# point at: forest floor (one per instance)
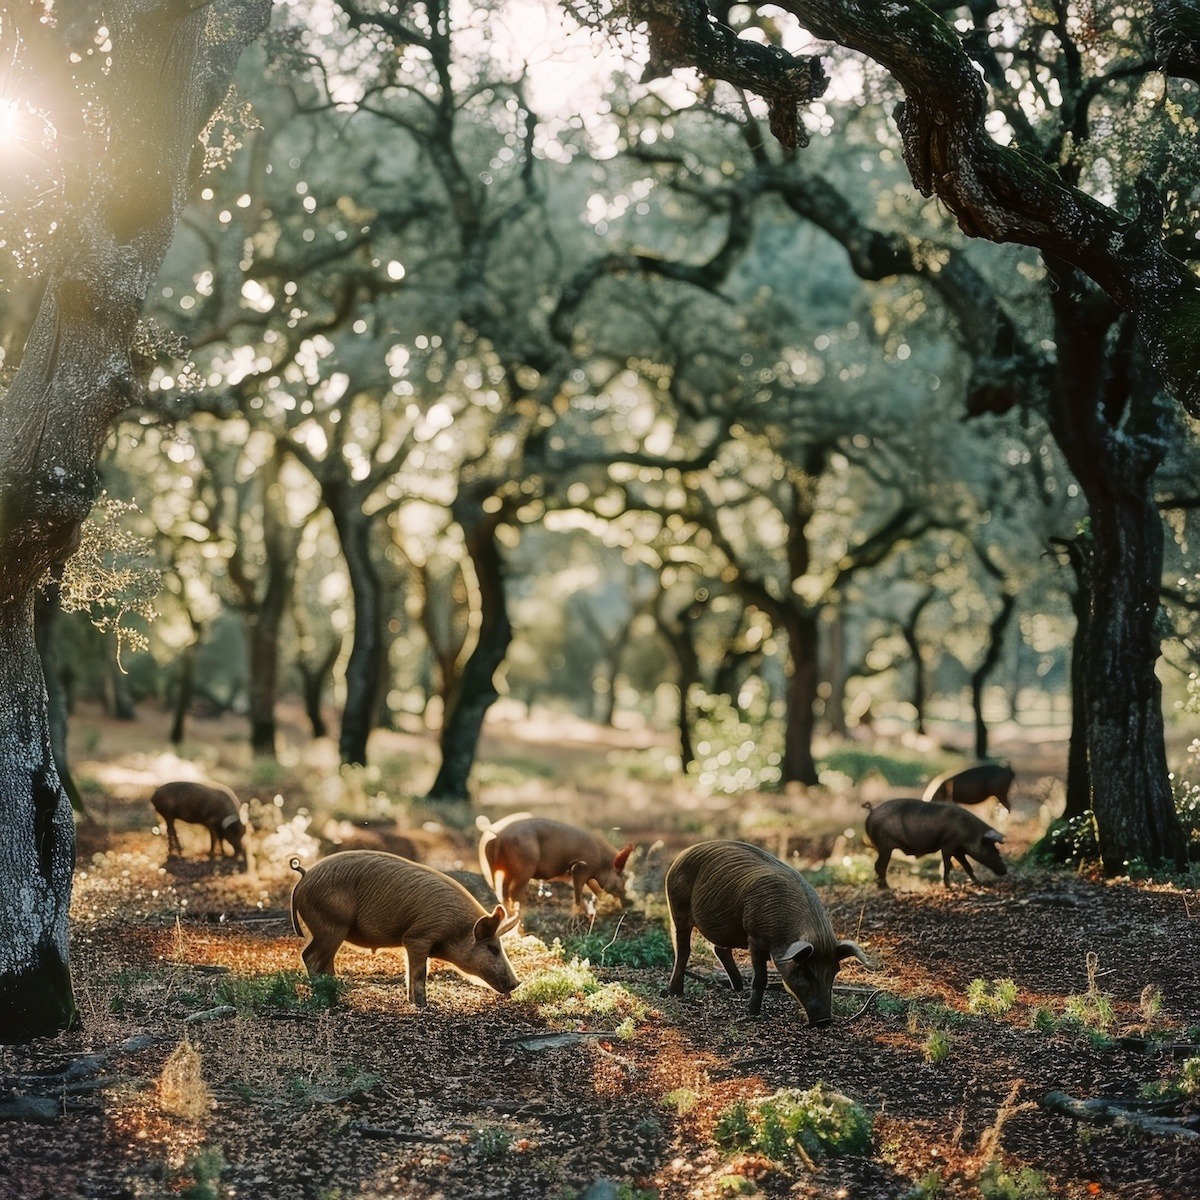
(205, 1066)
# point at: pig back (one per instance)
(199, 803)
(555, 846)
(382, 899)
(732, 890)
(922, 826)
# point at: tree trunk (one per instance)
(127, 175)
(264, 613)
(837, 672)
(803, 680)
(464, 719)
(364, 668)
(908, 630)
(1079, 777)
(187, 690)
(37, 851)
(676, 631)
(982, 673)
(1113, 433)
(313, 680)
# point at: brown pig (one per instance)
(974, 785)
(374, 899)
(920, 827)
(209, 804)
(739, 896)
(522, 847)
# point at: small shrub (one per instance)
(282, 991)
(929, 1187)
(651, 948)
(560, 982)
(180, 1090)
(1176, 1086)
(626, 1030)
(996, 1183)
(682, 1100)
(203, 1169)
(937, 1046)
(991, 999)
(795, 1124)
(489, 1143)
(1044, 1020)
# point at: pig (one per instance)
(974, 785)
(920, 827)
(522, 847)
(738, 895)
(209, 804)
(375, 899)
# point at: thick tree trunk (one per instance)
(464, 719)
(313, 679)
(983, 672)
(803, 680)
(127, 175)
(837, 673)
(365, 665)
(1112, 430)
(37, 851)
(1079, 776)
(186, 691)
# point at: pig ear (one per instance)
(796, 952)
(507, 924)
(993, 835)
(622, 858)
(232, 819)
(847, 949)
(487, 925)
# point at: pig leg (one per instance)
(318, 955)
(683, 950)
(966, 866)
(947, 860)
(418, 966)
(881, 865)
(759, 954)
(214, 843)
(731, 968)
(173, 846)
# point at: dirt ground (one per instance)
(177, 1084)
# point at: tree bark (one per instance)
(983, 672)
(364, 667)
(1113, 431)
(463, 723)
(800, 626)
(126, 179)
(47, 608)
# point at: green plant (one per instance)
(650, 948)
(1177, 1085)
(200, 1176)
(929, 1186)
(737, 1185)
(281, 991)
(897, 768)
(937, 1046)
(682, 1100)
(560, 982)
(626, 1030)
(997, 1183)
(793, 1123)
(489, 1143)
(991, 999)
(627, 1191)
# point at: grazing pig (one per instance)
(922, 826)
(740, 896)
(209, 804)
(974, 785)
(374, 899)
(522, 847)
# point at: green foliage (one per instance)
(991, 999)
(929, 1187)
(997, 1183)
(682, 1100)
(898, 768)
(282, 991)
(112, 575)
(564, 981)
(1177, 1085)
(650, 948)
(200, 1177)
(489, 1143)
(937, 1046)
(859, 869)
(792, 1123)
(1074, 841)
(732, 751)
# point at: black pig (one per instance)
(920, 827)
(974, 785)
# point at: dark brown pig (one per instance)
(920, 827)
(209, 804)
(521, 847)
(739, 896)
(974, 785)
(374, 899)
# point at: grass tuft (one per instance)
(809, 1124)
